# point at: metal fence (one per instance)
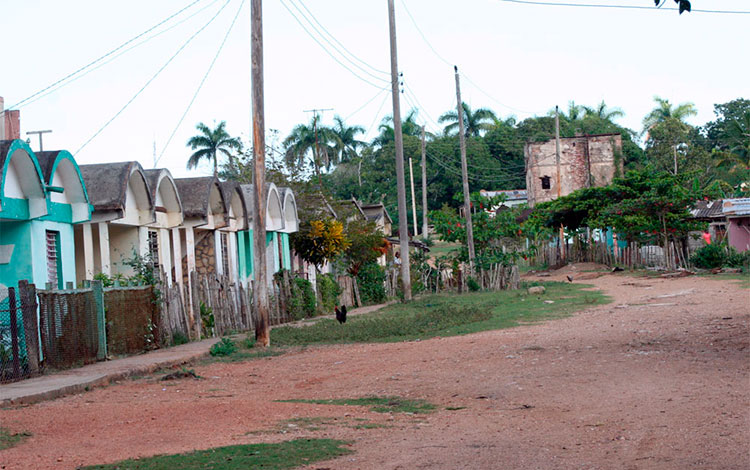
(14, 361)
(132, 320)
(69, 328)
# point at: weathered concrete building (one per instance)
(585, 161)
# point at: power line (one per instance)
(15, 106)
(88, 71)
(184, 45)
(388, 74)
(622, 7)
(377, 114)
(366, 103)
(205, 76)
(283, 3)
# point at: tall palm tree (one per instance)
(312, 141)
(665, 110)
(604, 112)
(345, 141)
(209, 142)
(475, 122)
(409, 126)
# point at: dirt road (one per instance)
(658, 379)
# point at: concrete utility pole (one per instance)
(403, 216)
(465, 174)
(425, 233)
(413, 201)
(559, 179)
(260, 286)
(41, 149)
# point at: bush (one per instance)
(179, 338)
(302, 301)
(225, 347)
(329, 291)
(738, 260)
(472, 284)
(371, 283)
(709, 256)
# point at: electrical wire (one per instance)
(622, 7)
(388, 74)
(88, 71)
(81, 69)
(366, 103)
(205, 76)
(283, 3)
(158, 72)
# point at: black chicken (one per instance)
(340, 313)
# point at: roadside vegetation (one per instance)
(446, 315)
(376, 404)
(280, 456)
(10, 439)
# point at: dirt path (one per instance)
(657, 379)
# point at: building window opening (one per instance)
(545, 182)
(153, 249)
(54, 263)
(225, 254)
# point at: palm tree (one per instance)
(474, 121)
(209, 142)
(409, 126)
(310, 139)
(345, 142)
(665, 110)
(602, 111)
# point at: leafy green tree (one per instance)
(209, 143)
(366, 244)
(310, 141)
(475, 121)
(387, 135)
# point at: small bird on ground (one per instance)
(570, 278)
(340, 313)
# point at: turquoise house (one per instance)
(42, 196)
(281, 220)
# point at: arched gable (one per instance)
(139, 209)
(274, 211)
(166, 197)
(22, 188)
(289, 206)
(64, 173)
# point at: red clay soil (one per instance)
(658, 379)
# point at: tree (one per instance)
(366, 244)
(310, 141)
(345, 141)
(665, 110)
(320, 241)
(209, 142)
(475, 121)
(409, 126)
(604, 112)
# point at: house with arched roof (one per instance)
(165, 239)
(42, 196)
(123, 210)
(278, 226)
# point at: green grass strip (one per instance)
(377, 404)
(284, 455)
(446, 315)
(9, 439)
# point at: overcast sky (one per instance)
(515, 59)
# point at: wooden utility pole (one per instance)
(425, 233)
(413, 201)
(260, 284)
(403, 216)
(465, 174)
(559, 179)
(41, 149)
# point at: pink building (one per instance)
(737, 212)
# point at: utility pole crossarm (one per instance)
(41, 148)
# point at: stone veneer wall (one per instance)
(205, 255)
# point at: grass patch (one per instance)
(446, 315)
(743, 278)
(10, 439)
(284, 455)
(455, 408)
(377, 404)
(240, 350)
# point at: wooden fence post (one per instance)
(30, 326)
(101, 321)
(14, 331)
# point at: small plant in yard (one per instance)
(179, 338)
(9, 439)
(473, 285)
(207, 320)
(225, 347)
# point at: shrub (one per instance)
(302, 301)
(225, 347)
(371, 283)
(179, 338)
(738, 260)
(709, 256)
(472, 284)
(329, 292)
(207, 319)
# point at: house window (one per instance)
(720, 233)
(225, 254)
(153, 248)
(54, 263)
(545, 182)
